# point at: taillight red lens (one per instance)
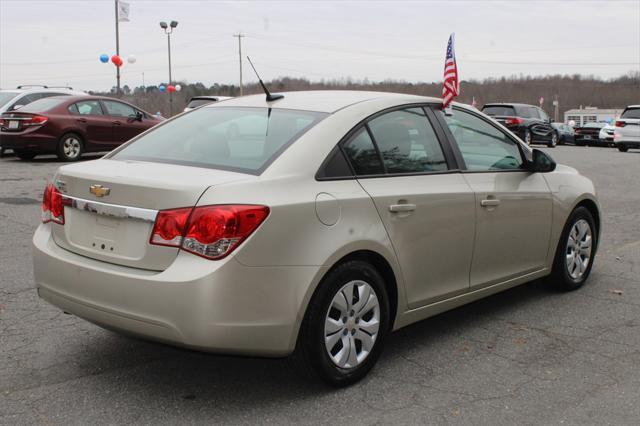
(620, 123)
(52, 205)
(514, 121)
(36, 120)
(208, 231)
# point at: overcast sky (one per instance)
(59, 42)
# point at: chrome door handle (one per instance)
(491, 202)
(402, 207)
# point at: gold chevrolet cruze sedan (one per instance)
(310, 226)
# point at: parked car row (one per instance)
(67, 123)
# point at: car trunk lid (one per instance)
(111, 205)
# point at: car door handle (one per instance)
(117, 123)
(490, 202)
(81, 120)
(395, 208)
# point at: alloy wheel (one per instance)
(579, 247)
(352, 324)
(71, 147)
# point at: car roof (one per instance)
(42, 89)
(328, 101)
(213, 97)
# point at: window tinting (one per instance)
(528, 112)
(500, 110)
(194, 103)
(407, 142)
(335, 166)
(483, 146)
(362, 154)
(89, 108)
(119, 109)
(631, 113)
(42, 105)
(239, 139)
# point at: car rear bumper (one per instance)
(218, 306)
(33, 142)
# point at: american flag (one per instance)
(450, 87)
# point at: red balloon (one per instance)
(171, 88)
(117, 60)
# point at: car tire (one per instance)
(528, 139)
(70, 147)
(576, 251)
(554, 140)
(622, 148)
(24, 154)
(333, 325)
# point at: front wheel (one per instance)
(70, 147)
(576, 250)
(347, 320)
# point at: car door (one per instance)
(96, 126)
(123, 119)
(425, 205)
(513, 206)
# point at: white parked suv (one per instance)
(627, 133)
(14, 99)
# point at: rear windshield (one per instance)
(5, 97)
(631, 113)
(42, 105)
(597, 125)
(499, 110)
(195, 103)
(237, 139)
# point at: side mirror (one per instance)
(541, 162)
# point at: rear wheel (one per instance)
(70, 147)
(24, 154)
(576, 250)
(347, 320)
(554, 140)
(622, 148)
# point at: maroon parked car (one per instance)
(71, 125)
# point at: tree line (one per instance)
(571, 91)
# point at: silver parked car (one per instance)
(319, 224)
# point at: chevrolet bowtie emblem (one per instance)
(99, 190)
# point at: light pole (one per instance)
(168, 29)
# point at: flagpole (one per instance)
(117, 50)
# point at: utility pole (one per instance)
(240, 35)
(556, 109)
(117, 49)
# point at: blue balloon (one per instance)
(104, 58)
(162, 88)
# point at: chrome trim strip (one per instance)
(112, 210)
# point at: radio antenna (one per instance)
(270, 97)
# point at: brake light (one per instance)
(208, 231)
(513, 121)
(36, 120)
(52, 205)
(620, 123)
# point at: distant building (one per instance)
(586, 115)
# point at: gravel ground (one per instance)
(526, 356)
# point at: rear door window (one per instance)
(87, 108)
(407, 142)
(528, 112)
(362, 154)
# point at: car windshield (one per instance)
(631, 113)
(596, 125)
(195, 103)
(5, 97)
(42, 105)
(238, 139)
(505, 110)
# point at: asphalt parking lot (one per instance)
(530, 355)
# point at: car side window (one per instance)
(407, 142)
(362, 154)
(543, 115)
(87, 108)
(483, 146)
(119, 109)
(25, 100)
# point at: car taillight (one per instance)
(513, 121)
(620, 123)
(35, 120)
(208, 231)
(52, 205)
